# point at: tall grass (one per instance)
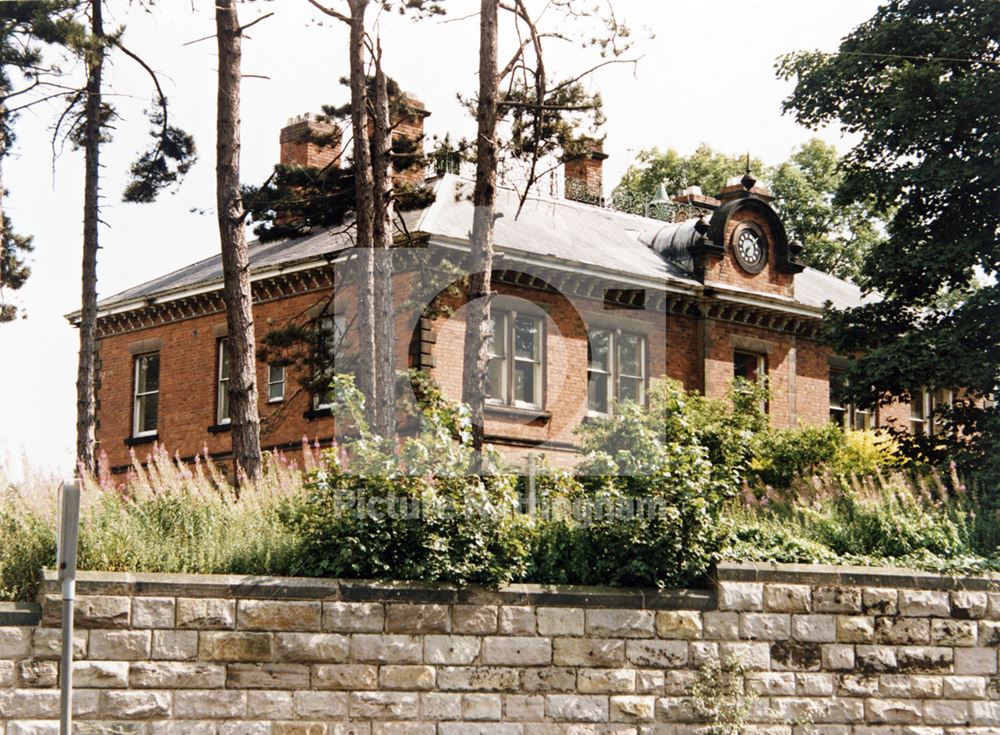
(165, 517)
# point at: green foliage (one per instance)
(835, 237)
(29, 543)
(781, 455)
(720, 696)
(171, 155)
(918, 85)
(378, 510)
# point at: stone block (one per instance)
(655, 681)
(15, 642)
(120, 645)
(771, 683)
(174, 645)
(176, 675)
(194, 727)
(606, 681)
(679, 624)
(894, 686)
(244, 727)
(523, 708)
(477, 678)
(923, 686)
(985, 714)
(46, 643)
(577, 707)
(836, 657)
(482, 707)
(946, 632)
(879, 601)
(417, 619)
(6, 674)
(516, 620)
(754, 656)
(657, 654)
(319, 705)
(387, 649)
(925, 659)
(153, 612)
(438, 706)
(345, 676)
(560, 621)
(483, 728)
(924, 603)
(894, 711)
(989, 633)
(353, 617)
(855, 629)
(206, 614)
(407, 677)
(875, 659)
(975, 660)
(209, 705)
(270, 705)
(721, 626)
(384, 706)
(100, 611)
(836, 599)
(32, 673)
(474, 619)
(787, 598)
(741, 596)
(299, 728)
(134, 705)
(619, 623)
(267, 676)
(100, 674)
(235, 647)
(814, 685)
(897, 631)
(969, 605)
(814, 628)
(30, 704)
(278, 615)
(795, 656)
(548, 679)
(964, 687)
(859, 685)
(765, 626)
(516, 651)
(311, 647)
(632, 708)
(451, 649)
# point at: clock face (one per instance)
(750, 248)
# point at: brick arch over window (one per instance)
(786, 253)
(452, 297)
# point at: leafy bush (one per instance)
(780, 455)
(378, 510)
(28, 544)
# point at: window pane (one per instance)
(275, 382)
(917, 405)
(599, 350)
(494, 370)
(148, 408)
(224, 360)
(223, 401)
(597, 392)
(630, 389)
(526, 337)
(524, 382)
(148, 379)
(837, 415)
(745, 366)
(630, 355)
(497, 343)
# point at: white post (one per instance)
(69, 524)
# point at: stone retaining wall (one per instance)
(825, 651)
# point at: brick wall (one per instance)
(826, 651)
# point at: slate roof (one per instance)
(567, 231)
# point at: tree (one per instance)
(85, 122)
(543, 120)
(236, 292)
(835, 237)
(919, 84)
(706, 168)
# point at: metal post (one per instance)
(69, 523)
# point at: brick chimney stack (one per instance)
(306, 141)
(584, 174)
(411, 127)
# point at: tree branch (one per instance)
(330, 11)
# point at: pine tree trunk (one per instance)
(364, 188)
(86, 403)
(385, 333)
(478, 328)
(245, 420)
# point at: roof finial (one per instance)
(748, 179)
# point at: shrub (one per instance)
(379, 510)
(780, 455)
(28, 544)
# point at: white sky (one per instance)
(707, 76)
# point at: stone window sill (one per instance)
(219, 428)
(515, 412)
(134, 441)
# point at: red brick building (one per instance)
(592, 305)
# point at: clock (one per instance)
(749, 247)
